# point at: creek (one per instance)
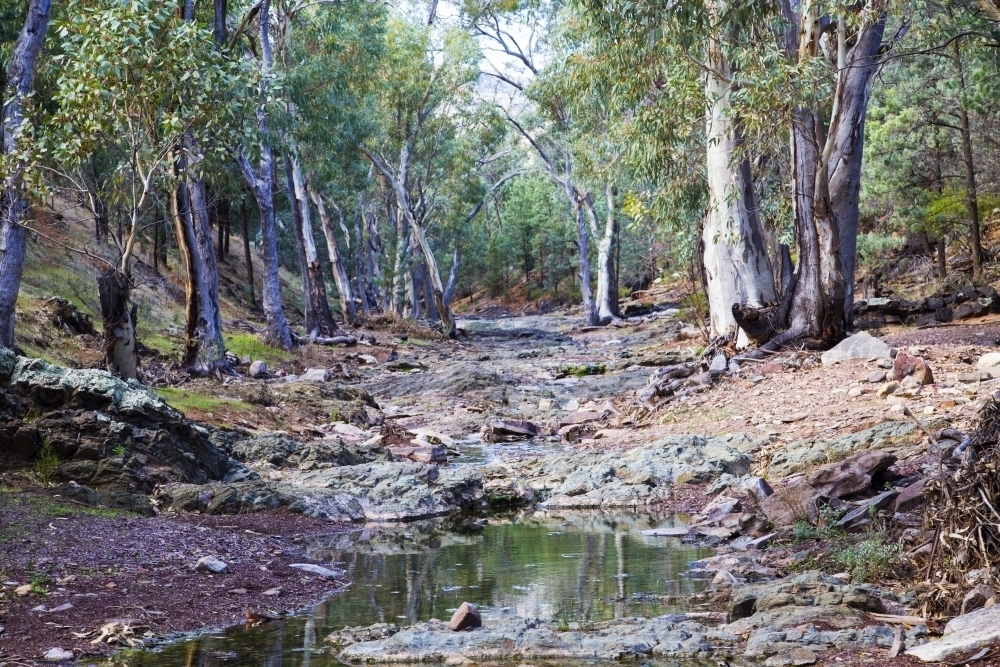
(568, 567)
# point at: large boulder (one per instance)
(962, 635)
(112, 434)
(285, 451)
(859, 346)
(802, 498)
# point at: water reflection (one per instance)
(560, 566)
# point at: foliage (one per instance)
(874, 247)
(46, 462)
(870, 559)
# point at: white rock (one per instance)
(859, 346)
(315, 375)
(962, 635)
(258, 369)
(57, 655)
(211, 564)
(572, 405)
(988, 360)
(318, 570)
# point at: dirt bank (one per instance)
(98, 565)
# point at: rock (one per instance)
(859, 346)
(963, 635)
(285, 451)
(905, 366)
(315, 375)
(876, 376)
(911, 497)
(63, 607)
(22, 590)
(795, 656)
(671, 531)
(854, 392)
(318, 570)
(585, 417)
(988, 360)
(499, 430)
(546, 404)
(719, 363)
(887, 389)
(57, 655)
(976, 308)
(800, 499)
(771, 367)
(211, 564)
(465, 617)
(969, 378)
(572, 405)
(508, 638)
(976, 598)
(420, 453)
(258, 370)
(859, 517)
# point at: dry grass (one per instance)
(394, 324)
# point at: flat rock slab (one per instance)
(505, 638)
(859, 346)
(678, 531)
(962, 635)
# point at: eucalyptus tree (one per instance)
(332, 87)
(19, 76)
(807, 68)
(134, 81)
(429, 80)
(260, 179)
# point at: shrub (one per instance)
(870, 559)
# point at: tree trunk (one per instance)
(969, 167)
(373, 250)
(360, 285)
(737, 268)
(205, 349)
(456, 263)
(607, 297)
(347, 306)
(583, 249)
(246, 254)
(13, 238)
(308, 311)
(317, 298)
(942, 260)
(261, 184)
(826, 166)
(399, 271)
(121, 350)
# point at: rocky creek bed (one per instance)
(273, 500)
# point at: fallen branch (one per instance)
(349, 341)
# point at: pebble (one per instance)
(876, 376)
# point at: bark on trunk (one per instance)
(826, 166)
(347, 306)
(583, 249)
(360, 285)
(396, 296)
(246, 254)
(318, 302)
(121, 351)
(737, 268)
(607, 297)
(205, 349)
(261, 184)
(20, 76)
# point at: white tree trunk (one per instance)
(343, 283)
(607, 299)
(737, 267)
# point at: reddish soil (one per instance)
(116, 566)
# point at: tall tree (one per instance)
(20, 75)
(261, 182)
